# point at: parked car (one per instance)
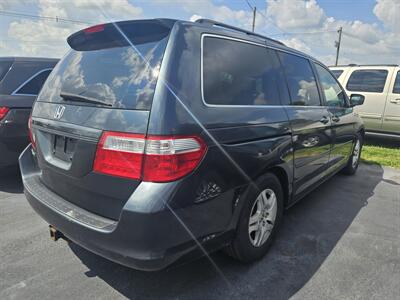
(380, 85)
(156, 140)
(21, 78)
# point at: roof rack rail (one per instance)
(223, 25)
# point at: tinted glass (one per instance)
(334, 94)
(337, 73)
(301, 80)
(33, 86)
(117, 76)
(396, 88)
(237, 73)
(4, 67)
(372, 81)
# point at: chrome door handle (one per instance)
(324, 120)
(395, 101)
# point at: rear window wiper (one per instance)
(80, 98)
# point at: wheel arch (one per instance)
(283, 178)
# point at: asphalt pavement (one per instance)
(340, 242)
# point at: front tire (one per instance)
(259, 220)
(354, 159)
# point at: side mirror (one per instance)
(356, 99)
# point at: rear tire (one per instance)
(259, 220)
(354, 159)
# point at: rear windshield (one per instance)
(104, 67)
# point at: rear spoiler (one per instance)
(103, 36)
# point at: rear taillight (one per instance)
(170, 158)
(3, 112)
(31, 134)
(152, 158)
(120, 154)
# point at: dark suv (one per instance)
(21, 79)
(156, 140)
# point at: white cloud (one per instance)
(6, 4)
(361, 43)
(195, 17)
(222, 13)
(388, 11)
(40, 37)
(3, 46)
(48, 38)
(297, 44)
(120, 9)
(289, 14)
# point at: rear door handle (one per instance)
(324, 120)
(395, 101)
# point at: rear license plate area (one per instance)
(63, 147)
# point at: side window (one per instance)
(334, 94)
(301, 80)
(33, 86)
(372, 81)
(238, 73)
(337, 73)
(396, 88)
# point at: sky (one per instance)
(371, 28)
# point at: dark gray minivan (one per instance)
(21, 79)
(155, 141)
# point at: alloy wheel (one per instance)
(356, 153)
(262, 217)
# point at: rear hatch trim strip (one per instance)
(67, 209)
(91, 134)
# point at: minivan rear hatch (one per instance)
(106, 82)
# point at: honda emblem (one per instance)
(59, 112)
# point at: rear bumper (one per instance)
(142, 240)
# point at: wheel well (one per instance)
(283, 178)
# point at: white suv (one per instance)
(380, 84)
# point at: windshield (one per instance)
(108, 71)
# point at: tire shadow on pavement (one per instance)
(310, 231)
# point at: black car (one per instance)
(154, 141)
(21, 79)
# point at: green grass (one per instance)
(382, 153)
